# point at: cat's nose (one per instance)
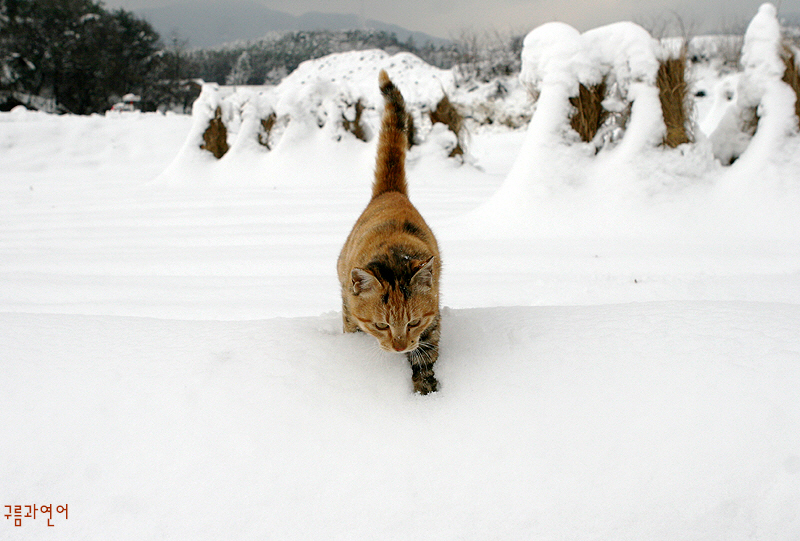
(398, 347)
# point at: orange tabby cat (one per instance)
(389, 266)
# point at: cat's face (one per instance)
(395, 314)
(398, 325)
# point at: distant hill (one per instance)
(223, 22)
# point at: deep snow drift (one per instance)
(640, 421)
(173, 365)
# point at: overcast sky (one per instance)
(446, 18)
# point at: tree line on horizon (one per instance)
(78, 57)
(82, 58)
(268, 60)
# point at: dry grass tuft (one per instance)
(215, 138)
(589, 113)
(447, 114)
(355, 126)
(675, 101)
(267, 124)
(792, 78)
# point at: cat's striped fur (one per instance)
(389, 266)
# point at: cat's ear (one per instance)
(423, 277)
(363, 281)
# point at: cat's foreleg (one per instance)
(423, 358)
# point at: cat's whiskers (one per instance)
(422, 354)
(374, 352)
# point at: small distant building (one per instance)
(130, 102)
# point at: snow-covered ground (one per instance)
(620, 349)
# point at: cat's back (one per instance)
(390, 220)
(390, 223)
(390, 208)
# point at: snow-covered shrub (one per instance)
(626, 56)
(596, 85)
(208, 113)
(215, 138)
(791, 75)
(447, 114)
(553, 61)
(763, 113)
(266, 130)
(590, 115)
(675, 99)
(356, 126)
(504, 102)
(249, 116)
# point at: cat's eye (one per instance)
(413, 323)
(381, 326)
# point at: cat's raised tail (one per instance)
(390, 169)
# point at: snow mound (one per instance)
(356, 73)
(763, 115)
(630, 185)
(277, 128)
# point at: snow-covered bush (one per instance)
(763, 112)
(791, 76)
(339, 95)
(215, 138)
(605, 78)
(676, 105)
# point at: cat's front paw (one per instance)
(425, 383)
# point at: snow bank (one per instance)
(661, 420)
